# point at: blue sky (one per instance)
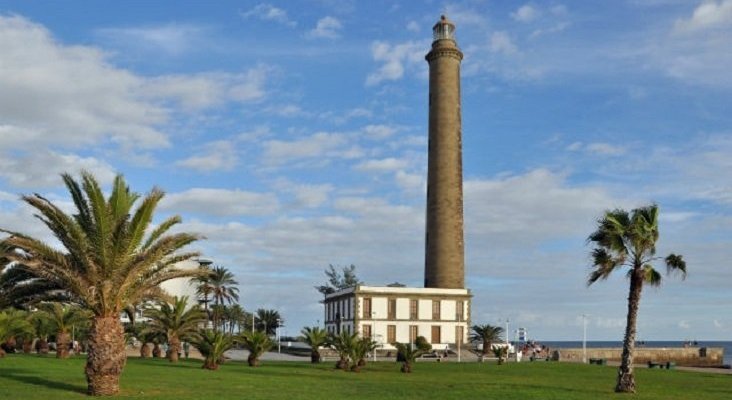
(293, 135)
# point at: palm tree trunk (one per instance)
(145, 350)
(42, 346)
(106, 357)
(27, 346)
(626, 381)
(173, 349)
(63, 340)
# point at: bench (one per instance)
(598, 361)
(662, 365)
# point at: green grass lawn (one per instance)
(33, 377)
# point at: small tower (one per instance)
(444, 248)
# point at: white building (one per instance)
(400, 314)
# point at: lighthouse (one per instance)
(439, 311)
(444, 247)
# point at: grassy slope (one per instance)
(32, 377)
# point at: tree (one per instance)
(204, 289)
(235, 317)
(361, 348)
(20, 288)
(268, 321)
(486, 334)
(12, 323)
(175, 323)
(257, 343)
(338, 280)
(628, 240)
(61, 320)
(212, 345)
(408, 352)
(111, 257)
(316, 338)
(343, 344)
(223, 291)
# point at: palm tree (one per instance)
(223, 290)
(235, 317)
(268, 321)
(316, 338)
(486, 334)
(175, 323)
(361, 348)
(111, 258)
(212, 345)
(42, 329)
(61, 320)
(13, 323)
(20, 288)
(204, 289)
(408, 352)
(257, 343)
(629, 240)
(343, 344)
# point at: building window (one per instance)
(391, 333)
(436, 335)
(459, 335)
(366, 331)
(436, 310)
(413, 333)
(366, 308)
(459, 307)
(413, 309)
(392, 309)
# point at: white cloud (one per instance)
(413, 26)
(173, 39)
(379, 131)
(717, 324)
(381, 166)
(321, 145)
(396, 59)
(501, 43)
(598, 148)
(709, 14)
(200, 91)
(70, 95)
(221, 202)
(327, 27)
(215, 156)
(306, 195)
(268, 12)
(684, 324)
(43, 168)
(525, 13)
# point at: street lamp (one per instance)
(277, 333)
(584, 338)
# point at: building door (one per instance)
(413, 333)
(436, 334)
(366, 331)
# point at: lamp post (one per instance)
(277, 333)
(584, 338)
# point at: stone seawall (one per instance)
(686, 356)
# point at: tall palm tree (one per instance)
(176, 323)
(487, 335)
(628, 240)
(316, 338)
(20, 288)
(111, 257)
(61, 320)
(223, 290)
(257, 343)
(268, 321)
(235, 317)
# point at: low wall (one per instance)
(686, 356)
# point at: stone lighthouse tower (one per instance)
(444, 249)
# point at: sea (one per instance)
(727, 345)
